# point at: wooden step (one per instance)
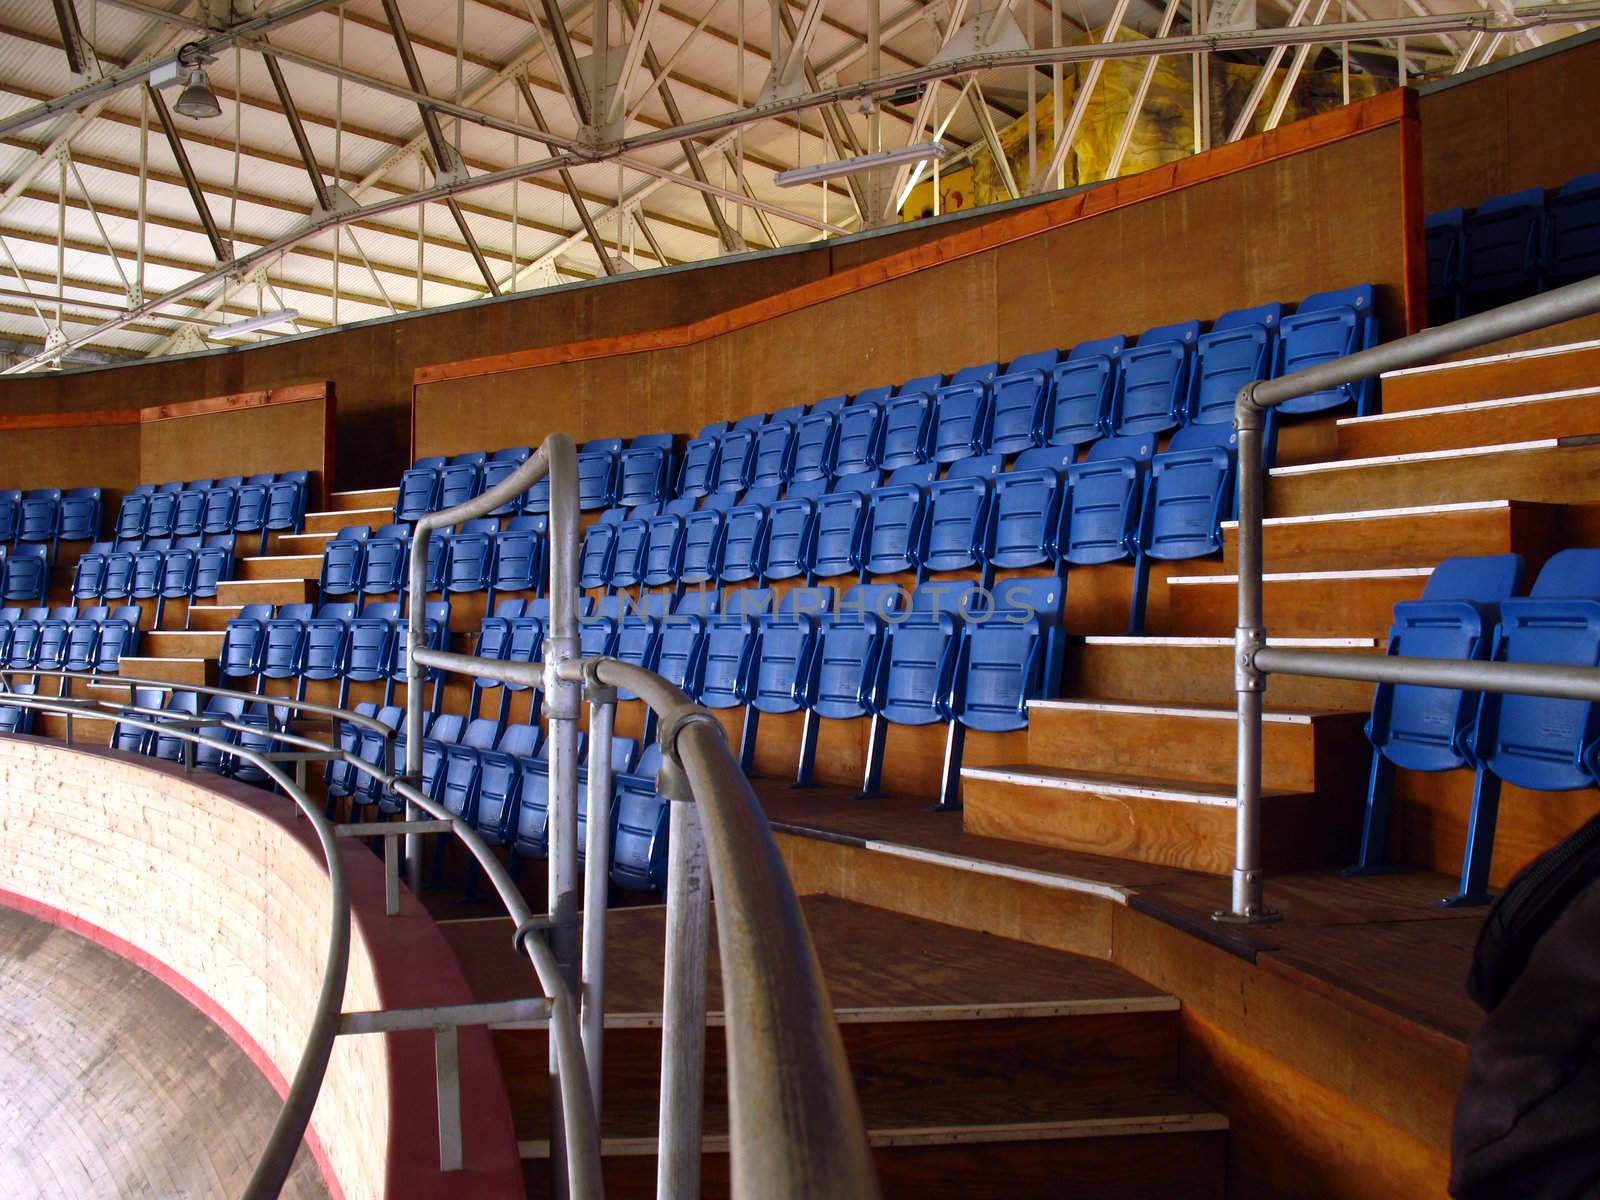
(367, 498)
(1493, 376)
(181, 643)
(332, 522)
(1195, 741)
(1398, 537)
(301, 543)
(1551, 470)
(280, 566)
(1199, 670)
(1297, 604)
(84, 733)
(212, 618)
(1568, 413)
(266, 591)
(201, 671)
(1175, 823)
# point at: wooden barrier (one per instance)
(1165, 245)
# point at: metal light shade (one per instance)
(198, 100)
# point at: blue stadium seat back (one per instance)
(1018, 401)
(1532, 741)
(746, 604)
(829, 404)
(213, 562)
(610, 445)
(494, 631)
(643, 473)
(698, 602)
(118, 581)
(651, 441)
(816, 445)
(221, 508)
(530, 827)
(638, 643)
(1239, 347)
(322, 652)
(807, 489)
(751, 422)
(1428, 729)
(23, 651)
(803, 602)
(596, 637)
(664, 537)
(130, 516)
(955, 531)
(83, 637)
(712, 429)
(895, 516)
(774, 454)
(718, 502)
(463, 767)
(837, 537)
(907, 430)
(79, 519)
(1025, 507)
(132, 739)
(1572, 231)
(597, 480)
(342, 561)
(1100, 523)
(340, 776)
(470, 565)
(536, 500)
(869, 396)
(1082, 386)
(847, 663)
(1152, 395)
(782, 664)
(1324, 327)
(177, 568)
(791, 526)
(258, 739)
(166, 746)
(1009, 654)
(369, 645)
(594, 560)
(697, 474)
(40, 514)
(525, 645)
(726, 673)
(680, 650)
(286, 501)
(1443, 237)
(736, 456)
(640, 829)
(744, 543)
(282, 640)
(27, 572)
(161, 515)
(149, 566)
(89, 573)
(501, 465)
(240, 655)
(190, 516)
(1191, 491)
(387, 559)
(916, 679)
(629, 561)
(458, 483)
(250, 504)
(858, 440)
(519, 555)
(500, 780)
(702, 546)
(53, 633)
(16, 718)
(419, 489)
(445, 732)
(1504, 247)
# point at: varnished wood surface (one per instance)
(1362, 606)
(1162, 674)
(1557, 416)
(1484, 374)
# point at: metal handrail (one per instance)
(796, 1128)
(288, 1130)
(1254, 659)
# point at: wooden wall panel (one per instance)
(287, 437)
(1163, 246)
(104, 456)
(1522, 126)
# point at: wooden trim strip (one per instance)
(238, 402)
(1389, 108)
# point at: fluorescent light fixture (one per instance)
(917, 152)
(251, 324)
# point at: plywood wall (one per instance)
(1527, 125)
(1269, 218)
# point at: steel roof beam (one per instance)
(219, 245)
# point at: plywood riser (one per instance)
(1297, 831)
(1496, 380)
(1161, 674)
(274, 592)
(1422, 539)
(1561, 417)
(279, 566)
(331, 522)
(1559, 475)
(372, 498)
(1293, 608)
(1112, 1168)
(907, 1070)
(1201, 750)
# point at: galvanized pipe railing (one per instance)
(1254, 660)
(288, 1130)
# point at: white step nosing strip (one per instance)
(946, 1135)
(1419, 456)
(1304, 576)
(159, 658)
(362, 491)
(1508, 356)
(1382, 514)
(242, 582)
(1299, 643)
(1073, 783)
(1408, 414)
(1002, 1010)
(341, 512)
(1155, 710)
(1049, 879)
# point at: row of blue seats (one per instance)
(950, 653)
(1470, 610)
(1122, 503)
(1170, 376)
(333, 642)
(25, 571)
(1512, 246)
(262, 723)
(497, 778)
(234, 504)
(50, 516)
(93, 638)
(162, 569)
(478, 556)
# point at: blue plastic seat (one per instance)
(907, 432)
(341, 777)
(38, 518)
(665, 534)
(133, 739)
(895, 516)
(1025, 508)
(282, 643)
(1009, 655)
(252, 503)
(190, 515)
(372, 748)
(858, 437)
(83, 637)
(594, 559)
(463, 768)
(27, 572)
(500, 781)
(961, 414)
(519, 555)
(816, 440)
(368, 649)
(847, 665)
(419, 489)
(639, 832)
(1504, 240)
(166, 746)
(286, 503)
(628, 562)
(118, 581)
(242, 646)
(1326, 326)
(1101, 512)
(89, 574)
(386, 561)
(119, 635)
(1081, 389)
(1152, 395)
(829, 404)
(221, 507)
(17, 718)
(23, 651)
(744, 536)
(1241, 346)
(131, 516)
(458, 480)
(955, 531)
(499, 466)
(916, 681)
(1018, 402)
(1429, 729)
(322, 652)
(752, 422)
(736, 456)
(78, 517)
(470, 566)
(1572, 232)
(726, 676)
(213, 563)
(780, 668)
(342, 562)
(643, 474)
(680, 650)
(1191, 491)
(702, 544)
(774, 454)
(838, 533)
(163, 511)
(1444, 235)
(791, 523)
(698, 472)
